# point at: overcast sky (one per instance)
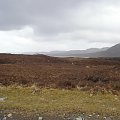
(47, 25)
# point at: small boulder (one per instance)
(79, 118)
(40, 118)
(9, 115)
(3, 98)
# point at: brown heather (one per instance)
(87, 74)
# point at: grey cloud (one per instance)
(15, 13)
(71, 19)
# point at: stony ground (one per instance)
(16, 116)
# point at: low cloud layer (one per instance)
(45, 25)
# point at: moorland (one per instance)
(61, 86)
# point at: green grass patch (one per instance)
(58, 101)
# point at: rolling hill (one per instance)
(74, 53)
(113, 51)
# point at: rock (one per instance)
(104, 118)
(3, 98)
(80, 118)
(9, 115)
(108, 118)
(90, 115)
(5, 118)
(87, 66)
(40, 118)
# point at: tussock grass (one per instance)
(58, 101)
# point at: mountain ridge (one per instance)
(113, 51)
(74, 53)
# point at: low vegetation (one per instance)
(67, 73)
(46, 84)
(55, 101)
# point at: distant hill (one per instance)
(113, 51)
(74, 53)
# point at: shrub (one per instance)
(66, 84)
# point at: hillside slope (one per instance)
(111, 52)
